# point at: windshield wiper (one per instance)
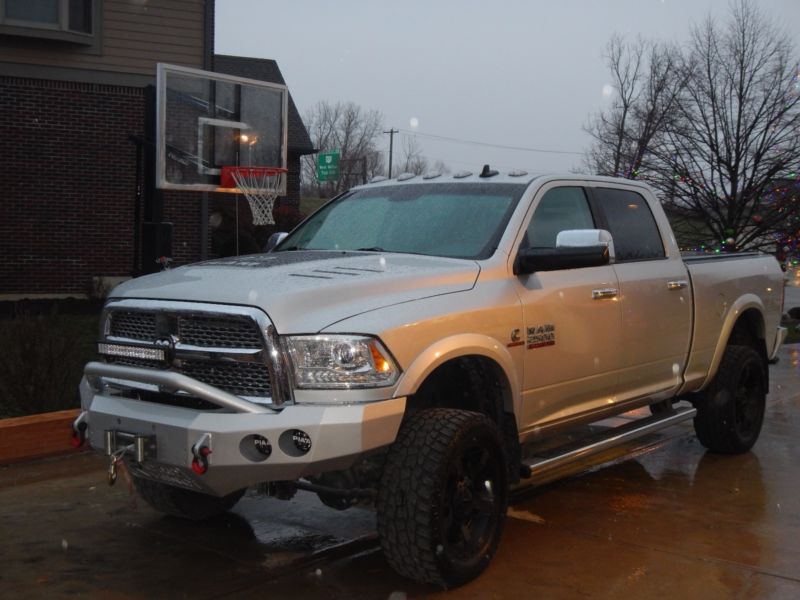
(371, 249)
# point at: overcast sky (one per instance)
(524, 74)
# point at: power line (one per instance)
(486, 144)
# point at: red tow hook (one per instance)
(200, 461)
(79, 427)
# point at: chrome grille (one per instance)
(240, 378)
(227, 351)
(134, 325)
(218, 332)
(139, 363)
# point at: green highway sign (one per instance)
(328, 166)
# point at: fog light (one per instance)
(301, 440)
(294, 442)
(255, 448)
(262, 445)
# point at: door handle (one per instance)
(604, 293)
(678, 284)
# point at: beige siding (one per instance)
(135, 34)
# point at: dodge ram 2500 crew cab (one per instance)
(414, 343)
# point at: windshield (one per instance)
(451, 220)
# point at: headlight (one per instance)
(340, 361)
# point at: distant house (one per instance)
(78, 210)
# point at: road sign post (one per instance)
(328, 166)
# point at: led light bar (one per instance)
(131, 351)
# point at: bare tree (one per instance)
(647, 83)
(610, 129)
(736, 131)
(439, 166)
(352, 130)
(412, 160)
(714, 128)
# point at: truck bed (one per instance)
(721, 294)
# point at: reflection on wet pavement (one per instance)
(667, 519)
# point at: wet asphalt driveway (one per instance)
(666, 521)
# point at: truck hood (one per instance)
(306, 291)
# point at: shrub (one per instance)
(42, 361)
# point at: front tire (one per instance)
(183, 503)
(731, 410)
(443, 497)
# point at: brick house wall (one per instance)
(67, 108)
(68, 184)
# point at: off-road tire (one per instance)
(730, 411)
(445, 479)
(183, 503)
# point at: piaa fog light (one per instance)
(301, 440)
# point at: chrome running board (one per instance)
(615, 436)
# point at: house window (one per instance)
(72, 19)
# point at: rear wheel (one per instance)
(443, 497)
(731, 410)
(183, 503)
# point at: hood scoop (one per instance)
(333, 273)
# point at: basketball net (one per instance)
(261, 186)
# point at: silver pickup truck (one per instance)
(419, 345)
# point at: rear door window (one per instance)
(631, 223)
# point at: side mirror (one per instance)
(275, 239)
(582, 238)
(575, 249)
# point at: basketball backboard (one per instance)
(206, 121)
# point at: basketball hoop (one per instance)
(261, 185)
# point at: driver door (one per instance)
(572, 332)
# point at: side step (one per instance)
(605, 440)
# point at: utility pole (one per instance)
(391, 133)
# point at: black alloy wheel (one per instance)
(443, 497)
(730, 412)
